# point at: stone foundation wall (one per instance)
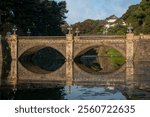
(142, 50)
(134, 48)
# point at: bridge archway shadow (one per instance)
(100, 60)
(42, 60)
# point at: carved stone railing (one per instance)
(102, 37)
(69, 45)
(42, 37)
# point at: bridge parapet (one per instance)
(42, 37)
(145, 37)
(100, 37)
(71, 46)
(77, 38)
(137, 37)
(48, 38)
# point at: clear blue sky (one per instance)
(80, 10)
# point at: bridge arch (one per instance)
(102, 65)
(83, 48)
(38, 43)
(114, 77)
(28, 57)
(35, 49)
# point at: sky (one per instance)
(80, 10)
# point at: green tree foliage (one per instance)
(43, 18)
(90, 26)
(117, 30)
(97, 27)
(138, 15)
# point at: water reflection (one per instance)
(75, 93)
(90, 93)
(63, 93)
(32, 94)
(43, 60)
(135, 84)
(100, 60)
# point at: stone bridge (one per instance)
(71, 46)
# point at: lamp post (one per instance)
(28, 32)
(130, 29)
(70, 30)
(77, 32)
(14, 29)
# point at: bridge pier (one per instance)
(129, 58)
(69, 59)
(129, 72)
(130, 47)
(12, 77)
(70, 46)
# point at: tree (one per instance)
(90, 26)
(117, 30)
(138, 15)
(52, 16)
(42, 18)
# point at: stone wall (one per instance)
(142, 50)
(132, 47)
(33, 44)
(141, 74)
(83, 43)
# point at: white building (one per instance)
(111, 19)
(111, 22)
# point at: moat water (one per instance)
(138, 89)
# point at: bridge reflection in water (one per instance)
(132, 79)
